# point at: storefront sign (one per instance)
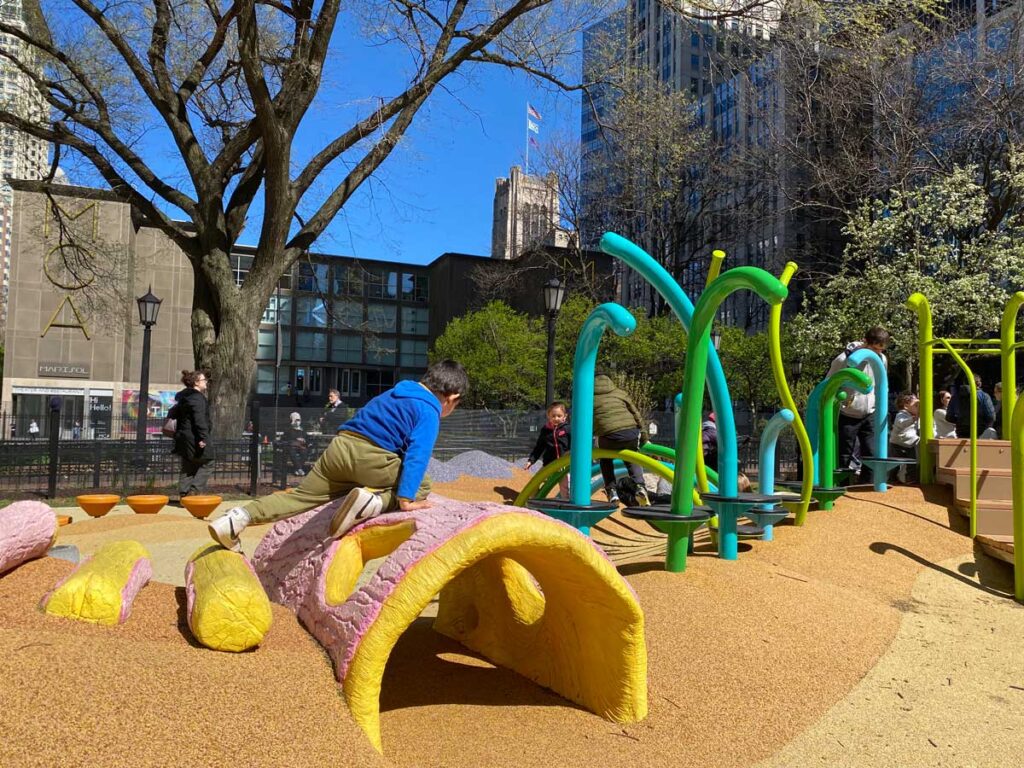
(64, 370)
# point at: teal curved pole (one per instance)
(868, 357)
(766, 466)
(698, 349)
(766, 451)
(640, 261)
(581, 430)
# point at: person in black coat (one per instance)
(335, 413)
(553, 442)
(192, 433)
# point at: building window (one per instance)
(350, 382)
(348, 314)
(695, 62)
(347, 348)
(266, 345)
(270, 314)
(694, 40)
(382, 318)
(308, 380)
(378, 382)
(265, 380)
(311, 310)
(415, 321)
(381, 284)
(241, 265)
(380, 350)
(414, 353)
(312, 277)
(415, 287)
(310, 345)
(348, 281)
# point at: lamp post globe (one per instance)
(554, 294)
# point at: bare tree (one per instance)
(227, 86)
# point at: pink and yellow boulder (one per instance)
(527, 592)
(27, 530)
(226, 608)
(102, 589)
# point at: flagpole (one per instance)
(527, 139)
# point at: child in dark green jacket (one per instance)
(618, 425)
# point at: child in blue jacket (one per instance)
(377, 461)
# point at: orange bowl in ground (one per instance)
(147, 504)
(97, 504)
(200, 506)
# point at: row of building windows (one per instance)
(309, 385)
(346, 314)
(316, 346)
(347, 280)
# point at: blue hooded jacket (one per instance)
(404, 420)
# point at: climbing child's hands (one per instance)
(410, 506)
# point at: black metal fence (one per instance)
(56, 463)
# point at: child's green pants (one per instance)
(350, 461)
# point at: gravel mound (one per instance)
(475, 463)
(480, 464)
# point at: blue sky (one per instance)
(435, 192)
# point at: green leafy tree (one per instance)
(653, 353)
(503, 352)
(949, 239)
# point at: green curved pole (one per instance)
(584, 364)
(1008, 342)
(844, 378)
(803, 438)
(1017, 457)
(974, 432)
(925, 353)
(769, 288)
(814, 428)
(640, 261)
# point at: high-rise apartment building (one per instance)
(526, 213)
(21, 156)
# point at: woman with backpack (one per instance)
(192, 433)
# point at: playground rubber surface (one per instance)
(831, 645)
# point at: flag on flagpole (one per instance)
(533, 112)
(532, 126)
(534, 142)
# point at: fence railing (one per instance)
(56, 463)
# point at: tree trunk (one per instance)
(232, 367)
(224, 336)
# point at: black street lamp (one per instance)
(554, 294)
(149, 308)
(716, 338)
(798, 367)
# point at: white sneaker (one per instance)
(360, 505)
(226, 529)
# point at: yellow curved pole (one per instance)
(559, 465)
(717, 257)
(926, 354)
(1008, 342)
(974, 432)
(779, 374)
